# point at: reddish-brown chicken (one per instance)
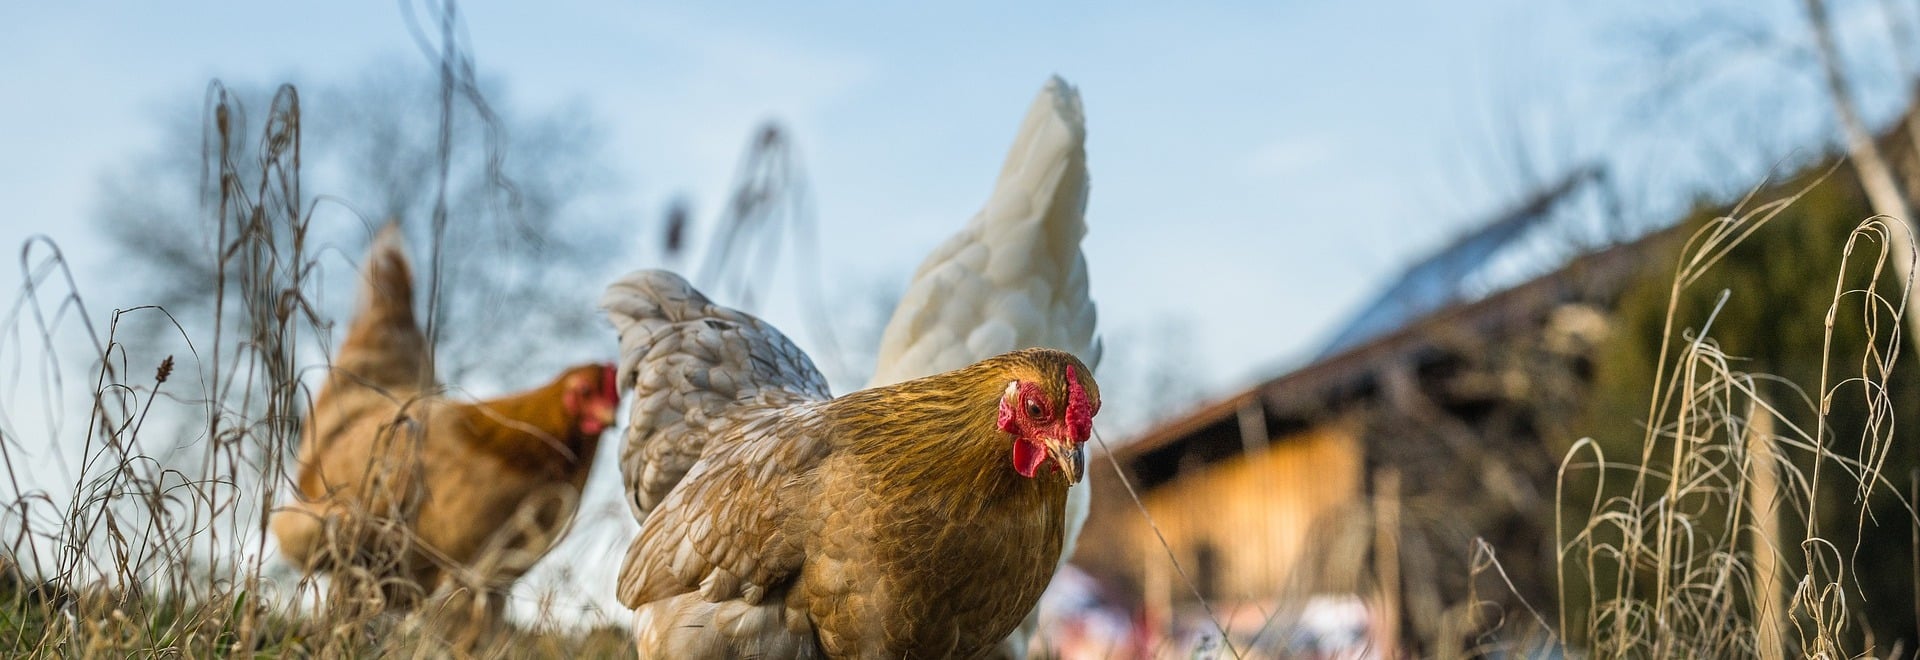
(416, 491)
(921, 519)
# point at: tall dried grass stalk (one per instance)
(1687, 560)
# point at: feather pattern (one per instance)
(688, 361)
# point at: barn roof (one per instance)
(1271, 410)
(1441, 280)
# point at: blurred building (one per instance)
(1319, 507)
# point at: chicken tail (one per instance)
(384, 346)
(1014, 277)
(1047, 167)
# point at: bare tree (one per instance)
(1876, 176)
(532, 204)
(1774, 84)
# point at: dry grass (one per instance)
(151, 538)
(1708, 542)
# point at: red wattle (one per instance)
(1027, 457)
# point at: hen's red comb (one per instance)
(1079, 409)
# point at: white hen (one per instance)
(1013, 278)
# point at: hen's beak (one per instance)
(598, 418)
(1070, 457)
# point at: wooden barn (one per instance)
(1438, 429)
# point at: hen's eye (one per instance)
(1033, 409)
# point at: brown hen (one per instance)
(921, 519)
(402, 491)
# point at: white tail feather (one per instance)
(1013, 277)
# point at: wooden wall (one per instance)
(1236, 527)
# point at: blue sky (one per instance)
(1259, 168)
